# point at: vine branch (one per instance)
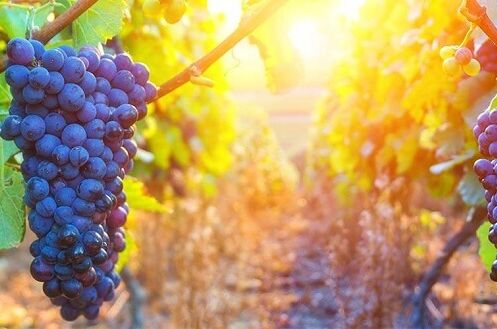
(246, 27)
(430, 277)
(137, 298)
(48, 31)
(477, 14)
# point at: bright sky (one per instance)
(313, 31)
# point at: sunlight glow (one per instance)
(348, 8)
(306, 38)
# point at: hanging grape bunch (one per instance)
(171, 10)
(486, 133)
(459, 59)
(72, 116)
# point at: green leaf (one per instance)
(41, 14)
(455, 161)
(471, 190)
(7, 149)
(99, 23)
(5, 95)
(487, 249)
(14, 19)
(138, 199)
(12, 223)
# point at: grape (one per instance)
(32, 127)
(29, 166)
(51, 102)
(103, 112)
(92, 58)
(137, 95)
(56, 83)
(130, 132)
(53, 59)
(95, 129)
(88, 83)
(17, 76)
(47, 170)
(113, 131)
(49, 254)
(103, 85)
(90, 190)
(37, 109)
(150, 91)
(451, 67)
(100, 98)
(16, 108)
(123, 80)
(126, 115)
(76, 150)
(104, 287)
(73, 69)
(32, 95)
(473, 68)
(38, 224)
(73, 135)
(41, 271)
(83, 266)
(140, 71)
(175, 11)
(117, 97)
(71, 98)
(121, 157)
(83, 208)
(46, 207)
(11, 127)
(78, 156)
(463, 55)
(106, 69)
(55, 124)
(60, 155)
(115, 186)
(71, 288)
(131, 147)
(39, 77)
(46, 145)
(95, 147)
(69, 172)
(24, 144)
(63, 214)
(94, 168)
(68, 50)
(107, 155)
(123, 62)
(67, 235)
(142, 110)
(20, 51)
(38, 48)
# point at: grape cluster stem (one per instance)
(246, 27)
(476, 13)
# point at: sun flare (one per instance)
(306, 38)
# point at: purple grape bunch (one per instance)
(485, 131)
(73, 116)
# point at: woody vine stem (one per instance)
(246, 27)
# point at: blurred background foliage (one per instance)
(310, 188)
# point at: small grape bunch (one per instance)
(459, 59)
(171, 10)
